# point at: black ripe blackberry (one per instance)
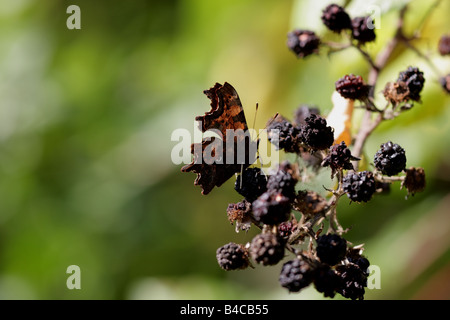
(331, 249)
(271, 208)
(232, 256)
(359, 186)
(267, 249)
(352, 87)
(283, 180)
(414, 79)
(295, 275)
(251, 183)
(335, 18)
(304, 111)
(390, 159)
(316, 134)
(445, 83)
(338, 158)
(354, 256)
(283, 134)
(444, 45)
(363, 29)
(353, 281)
(414, 180)
(326, 281)
(303, 42)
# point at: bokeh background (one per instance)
(86, 118)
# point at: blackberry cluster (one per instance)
(415, 80)
(390, 159)
(324, 259)
(336, 18)
(339, 158)
(359, 186)
(284, 135)
(352, 87)
(303, 42)
(267, 249)
(363, 29)
(251, 183)
(316, 134)
(232, 256)
(348, 276)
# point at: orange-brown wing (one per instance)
(226, 113)
(226, 110)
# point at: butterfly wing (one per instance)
(226, 113)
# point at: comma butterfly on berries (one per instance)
(226, 118)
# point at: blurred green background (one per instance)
(86, 118)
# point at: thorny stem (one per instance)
(306, 228)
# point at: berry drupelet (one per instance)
(352, 87)
(390, 159)
(331, 249)
(267, 249)
(336, 18)
(251, 183)
(232, 256)
(296, 274)
(316, 134)
(414, 79)
(303, 42)
(359, 186)
(363, 29)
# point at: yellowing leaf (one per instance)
(340, 118)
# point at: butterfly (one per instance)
(226, 118)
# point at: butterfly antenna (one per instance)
(270, 122)
(240, 182)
